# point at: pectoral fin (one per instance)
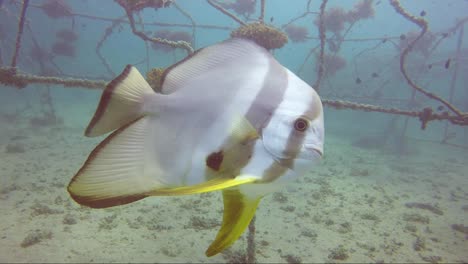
(238, 212)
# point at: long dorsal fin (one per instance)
(206, 59)
(113, 173)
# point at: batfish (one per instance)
(229, 117)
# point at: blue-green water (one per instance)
(357, 205)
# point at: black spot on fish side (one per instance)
(214, 160)
(402, 37)
(440, 108)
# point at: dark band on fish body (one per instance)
(267, 100)
(293, 147)
(270, 95)
(106, 98)
(265, 104)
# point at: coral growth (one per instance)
(202, 223)
(460, 228)
(35, 237)
(38, 54)
(296, 33)
(172, 36)
(42, 209)
(416, 218)
(362, 10)
(15, 148)
(69, 219)
(333, 63)
(56, 9)
(62, 48)
(153, 77)
(137, 5)
(241, 7)
(334, 19)
(423, 45)
(338, 253)
(66, 35)
(265, 36)
(8, 78)
(425, 206)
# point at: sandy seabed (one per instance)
(358, 205)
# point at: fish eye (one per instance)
(301, 124)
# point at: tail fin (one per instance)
(120, 102)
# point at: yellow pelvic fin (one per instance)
(208, 186)
(238, 212)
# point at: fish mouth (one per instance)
(315, 150)
(312, 152)
(312, 157)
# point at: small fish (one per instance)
(440, 108)
(229, 117)
(447, 64)
(429, 66)
(423, 13)
(375, 75)
(272, 19)
(358, 80)
(402, 37)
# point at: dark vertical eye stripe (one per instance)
(292, 149)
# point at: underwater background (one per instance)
(386, 190)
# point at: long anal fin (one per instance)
(208, 186)
(238, 212)
(113, 173)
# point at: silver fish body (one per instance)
(230, 117)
